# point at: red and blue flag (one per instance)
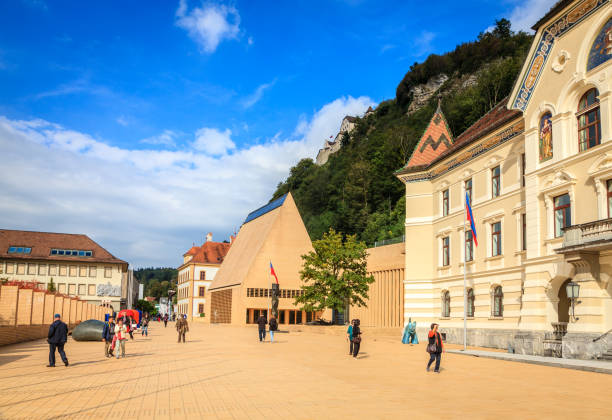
(272, 272)
(470, 218)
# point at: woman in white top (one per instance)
(121, 336)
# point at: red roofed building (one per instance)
(436, 140)
(200, 264)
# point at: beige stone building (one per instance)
(78, 266)
(195, 275)
(538, 172)
(240, 291)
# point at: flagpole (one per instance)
(269, 292)
(465, 276)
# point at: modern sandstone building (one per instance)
(200, 265)
(78, 266)
(240, 291)
(537, 170)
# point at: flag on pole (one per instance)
(272, 272)
(470, 218)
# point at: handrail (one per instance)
(602, 336)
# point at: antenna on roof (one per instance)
(439, 103)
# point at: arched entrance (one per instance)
(563, 305)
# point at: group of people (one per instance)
(354, 337)
(272, 327)
(115, 334)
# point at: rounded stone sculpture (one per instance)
(90, 330)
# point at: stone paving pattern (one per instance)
(224, 372)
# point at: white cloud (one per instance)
(250, 41)
(210, 24)
(386, 48)
(254, 97)
(213, 142)
(77, 86)
(122, 120)
(165, 138)
(147, 206)
(423, 44)
(527, 12)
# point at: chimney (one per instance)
(209, 237)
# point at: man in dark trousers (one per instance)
(108, 332)
(261, 321)
(57, 337)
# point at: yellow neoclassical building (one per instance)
(537, 170)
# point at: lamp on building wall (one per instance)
(573, 292)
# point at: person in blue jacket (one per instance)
(349, 334)
(108, 332)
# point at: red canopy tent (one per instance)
(129, 312)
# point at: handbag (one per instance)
(432, 348)
(357, 339)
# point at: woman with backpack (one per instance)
(356, 337)
(273, 326)
(434, 347)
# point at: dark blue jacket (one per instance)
(107, 333)
(58, 333)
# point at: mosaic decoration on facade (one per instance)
(601, 51)
(462, 158)
(555, 30)
(545, 137)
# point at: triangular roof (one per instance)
(436, 140)
(273, 233)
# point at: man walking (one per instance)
(261, 322)
(182, 327)
(145, 325)
(57, 337)
(165, 320)
(273, 328)
(108, 332)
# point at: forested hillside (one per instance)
(356, 190)
(157, 281)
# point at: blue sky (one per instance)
(146, 124)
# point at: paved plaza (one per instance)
(224, 372)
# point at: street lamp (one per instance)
(573, 292)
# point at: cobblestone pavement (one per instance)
(224, 372)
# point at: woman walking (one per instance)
(120, 337)
(434, 347)
(349, 335)
(273, 326)
(356, 337)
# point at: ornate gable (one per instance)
(436, 139)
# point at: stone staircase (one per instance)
(607, 355)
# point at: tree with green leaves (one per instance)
(51, 286)
(145, 306)
(335, 274)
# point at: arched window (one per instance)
(498, 302)
(589, 121)
(545, 141)
(470, 303)
(445, 304)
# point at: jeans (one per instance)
(271, 336)
(60, 350)
(145, 330)
(356, 349)
(120, 343)
(108, 351)
(436, 357)
(262, 335)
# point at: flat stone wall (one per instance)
(25, 314)
(573, 345)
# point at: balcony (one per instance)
(592, 236)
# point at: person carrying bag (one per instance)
(434, 347)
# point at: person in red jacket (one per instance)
(434, 347)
